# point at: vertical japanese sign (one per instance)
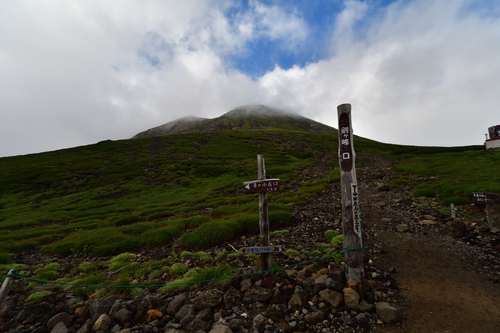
(351, 214)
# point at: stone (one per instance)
(259, 321)
(208, 298)
(123, 315)
(351, 297)
(203, 320)
(403, 227)
(245, 285)
(334, 298)
(363, 320)
(64, 317)
(174, 330)
(364, 306)
(295, 301)
(116, 328)
(82, 312)
(99, 307)
(176, 303)
(387, 313)
(428, 222)
(103, 323)
(221, 328)
(154, 314)
(185, 314)
(86, 327)
(231, 297)
(60, 327)
(259, 294)
(314, 317)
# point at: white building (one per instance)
(494, 137)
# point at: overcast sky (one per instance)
(77, 72)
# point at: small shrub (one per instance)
(292, 253)
(178, 268)
(280, 233)
(101, 242)
(48, 272)
(337, 241)
(202, 256)
(163, 235)
(330, 234)
(217, 232)
(186, 255)
(4, 258)
(88, 266)
(201, 277)
(280, 218)
(38, 296)
(121, 260)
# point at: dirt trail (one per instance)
(441, 292)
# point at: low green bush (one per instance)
(4, 258)
(38, 296)
(101, 242)
(201, 277)
(178, 268)
(121, 260)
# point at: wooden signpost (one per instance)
(351, 214)
(262, 186)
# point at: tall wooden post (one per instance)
(351, 215)
(263, 215)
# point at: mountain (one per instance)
(243, 117)
(172, 210)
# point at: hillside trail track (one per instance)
(440, 292)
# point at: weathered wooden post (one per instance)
(262, 186)
(351, 215)
(4, 289)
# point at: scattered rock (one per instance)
(333, 298)
(103, 323)
(154, 314)
(314, 317)
(221, 328)
(403, 227)
(63, 317)
(208, 298)
(176, 303)
(428, 222)
(85, 328)
(185, 314)
(259, 321)
(123, 315)
(351, 297)
(295, 301)
(387, 313)
(60, 327)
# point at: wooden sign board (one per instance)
(262, 249)
(263, 186)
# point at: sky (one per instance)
(421, 72)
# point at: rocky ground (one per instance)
(423, 268)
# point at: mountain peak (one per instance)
(246, 117)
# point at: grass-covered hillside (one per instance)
(186, 189)
(116, 196)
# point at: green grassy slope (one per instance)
(115, 196)
(123, 195)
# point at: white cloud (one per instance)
(424, 72)
(75, 72)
